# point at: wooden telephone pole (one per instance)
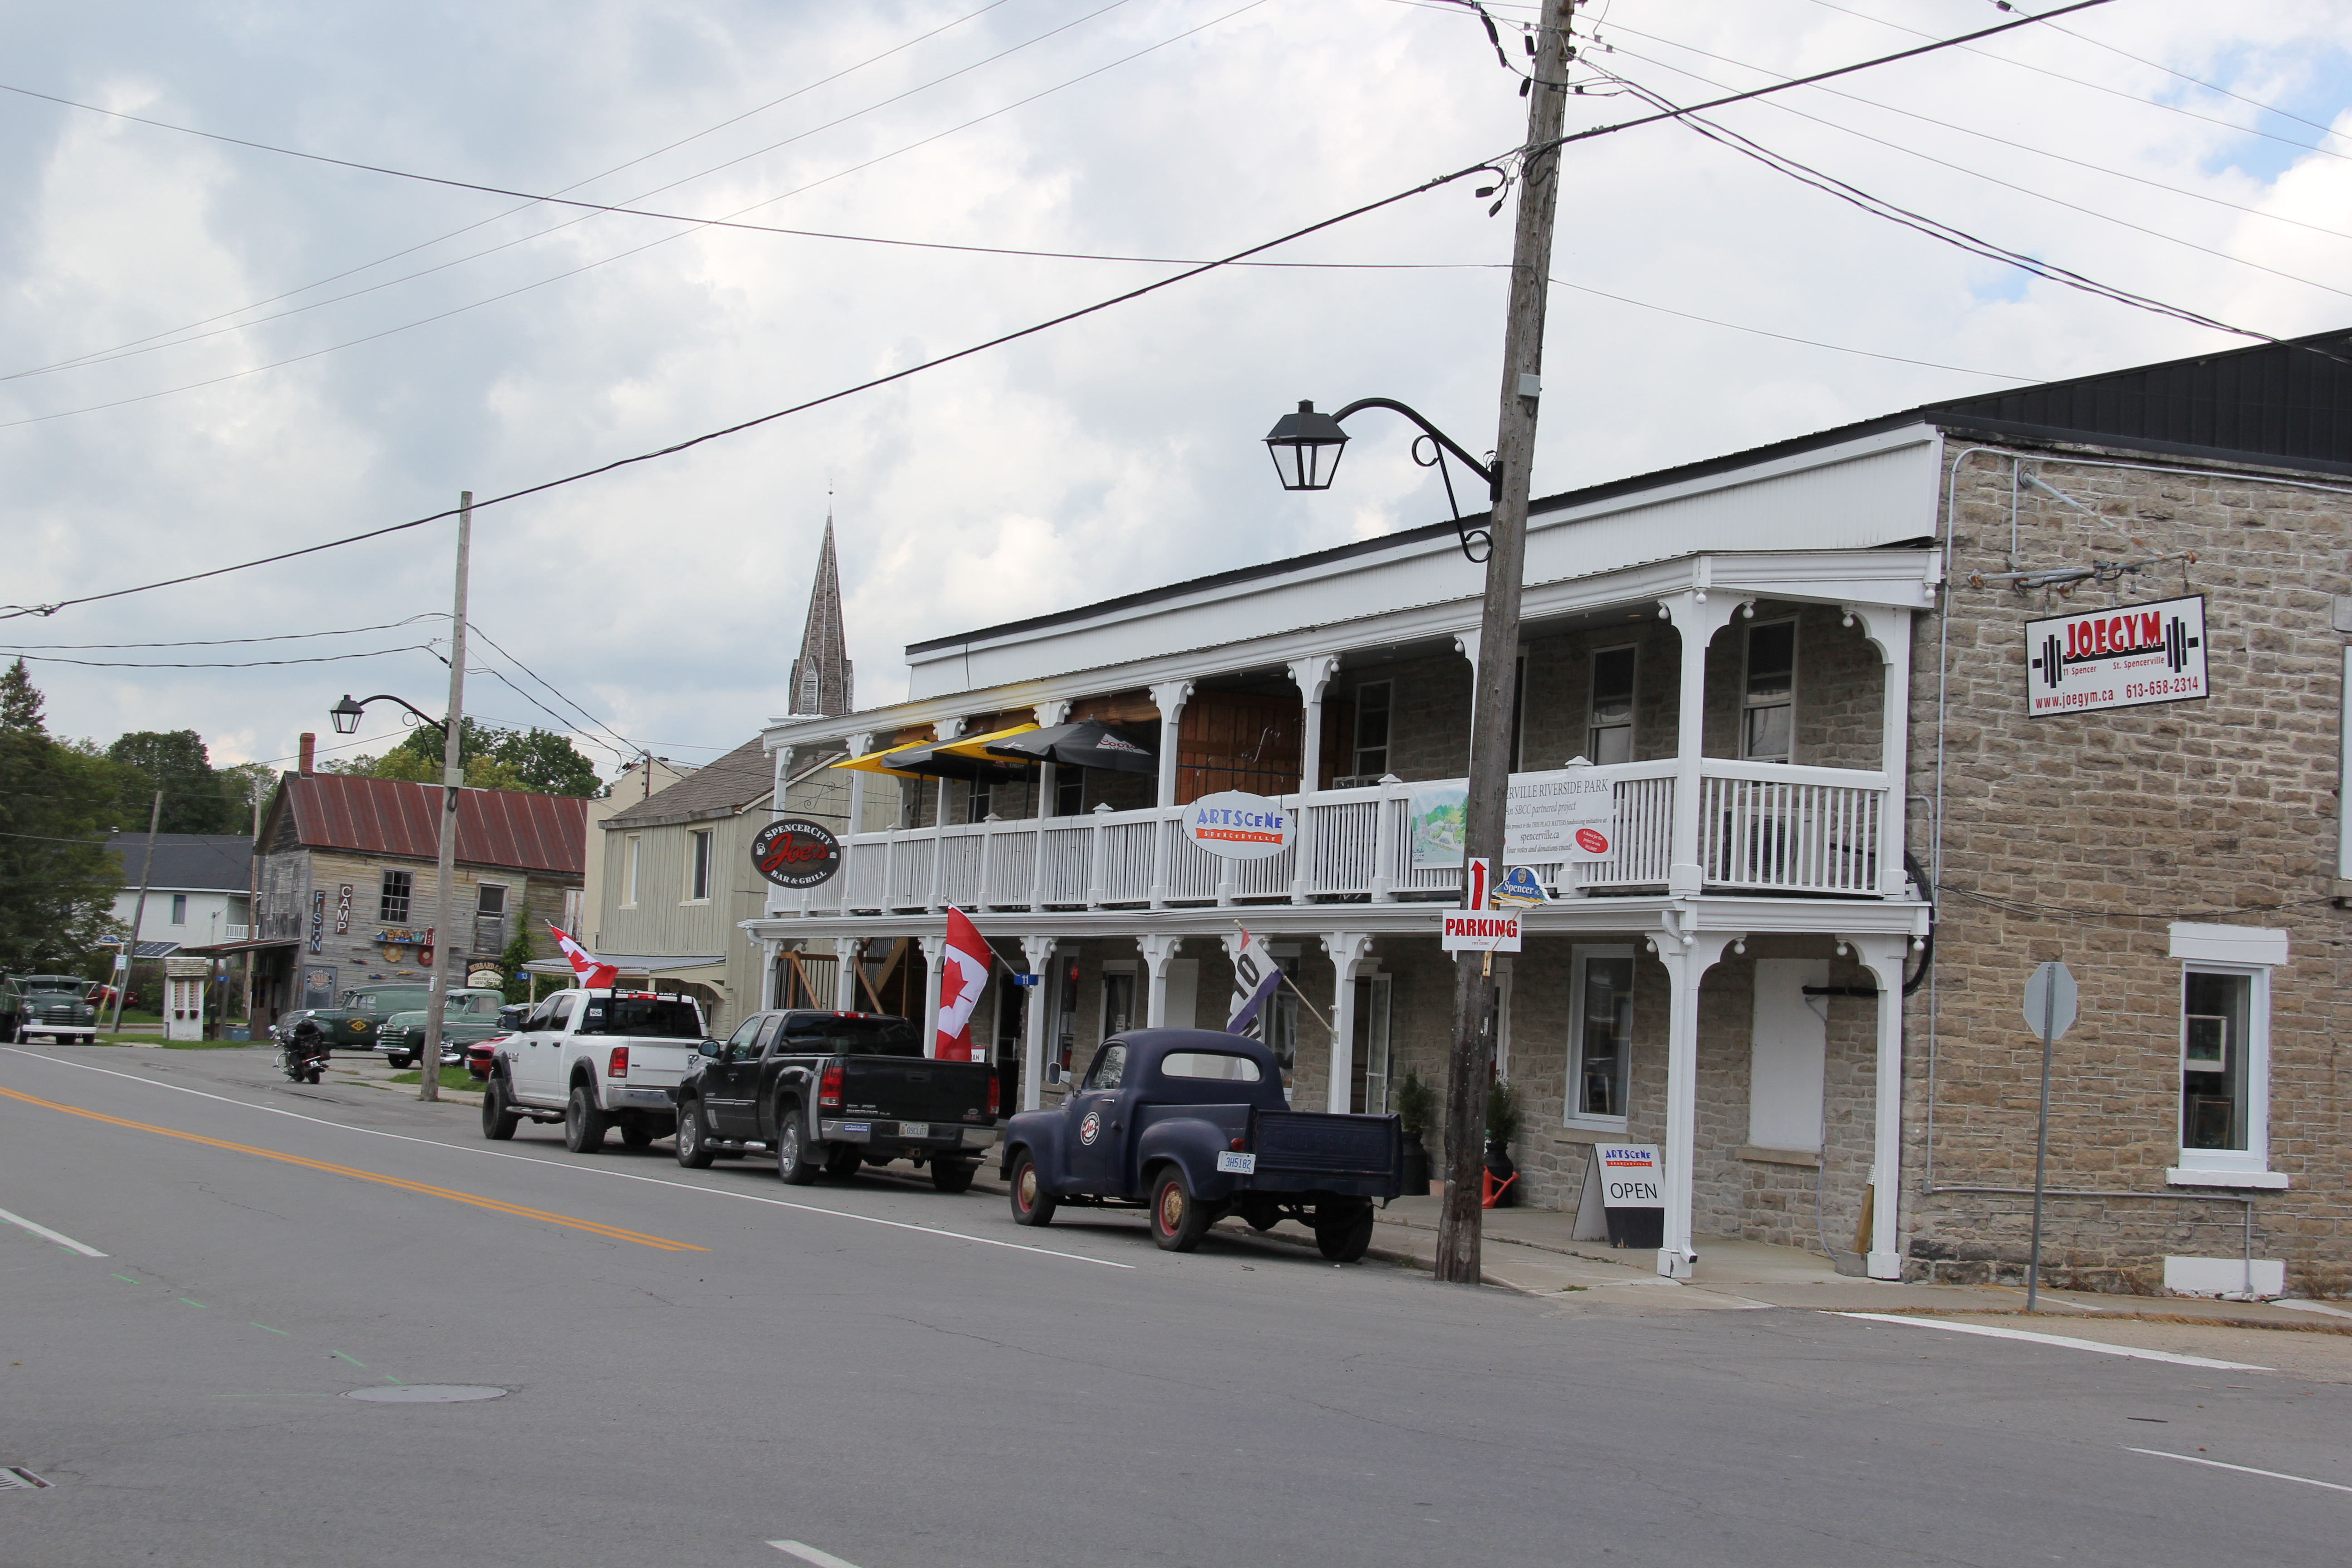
(453, 775)
(1470, 1061)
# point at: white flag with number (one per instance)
(1256, 974)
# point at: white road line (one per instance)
(53, 1235)
(1989, 1331)
(586, 1170)
(2241, 1470)
(2313, 1306)
(812, 1554)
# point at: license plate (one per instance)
(1239, 1164)
(914, 1129)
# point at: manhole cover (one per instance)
(15, 1477)
(426, 1394)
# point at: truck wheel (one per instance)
(1347, 1237)
(499, 1119)
(1032, 1203)
(792, 1163)
(844, 1162)
(1177, 1222)
(952, 1176)
(692, 1151)
(398, 1064)
(637, 1132)
(584, 1123)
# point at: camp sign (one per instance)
(2123, 656)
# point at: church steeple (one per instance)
(821, 676)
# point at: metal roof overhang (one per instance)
(641, 965)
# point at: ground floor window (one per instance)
(1117, 1000)
(1601, 1045)
(2216, 1054)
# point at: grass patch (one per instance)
(451, 1078)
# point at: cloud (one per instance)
(1112, 454)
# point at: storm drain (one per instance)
(426, 1394)
(17, 1479)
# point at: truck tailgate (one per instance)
(1327, 1144)
(911, 1088)
(658, 1063)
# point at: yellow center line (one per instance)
(493, 1205)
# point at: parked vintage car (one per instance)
(53, 1005)
(352, 1023)
(481, 1053)
(1191, 1126)
(470, 1015)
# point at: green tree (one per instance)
(177, 763)
(57, 881)
(537, 760)
(518, 953)
(242, 786)
(549, 763)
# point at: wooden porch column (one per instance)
(1313, 677)
(1048, 715)
(1168, 697)
(1888, 627)
(1348, 950)
(858, 746)
(1883, 956)
(1697, 617)
(1687, 956)
(934, 949)
(849, 952)
(1038, 952)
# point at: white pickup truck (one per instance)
(595, 1060)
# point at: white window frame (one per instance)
(635, 847)
(179, 908)
(1795, 660)
(1388, 711)
(1571, 1117)
(701, 848)
(2344, 776)
(2229, 950)
(1632, 698)
(1137, 1001)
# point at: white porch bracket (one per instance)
(1037, 953)
(1348, 950)
(1697, 617)
(1158, 949)
(1687, 954)
(1884, 957)
(1312, 676)
(849, 952)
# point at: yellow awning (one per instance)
(975, 745)
(871, 763)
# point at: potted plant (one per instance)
(1414, 1102)
(1503, 1115)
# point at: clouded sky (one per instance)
(212, 353)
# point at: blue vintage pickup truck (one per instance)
(1191, 1126)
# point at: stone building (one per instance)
(1847, 823)
(346, 894)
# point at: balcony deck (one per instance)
(1762, 828)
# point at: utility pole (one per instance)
(138, 912)
(453, 775)
(1468, 1065)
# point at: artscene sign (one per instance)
(1238, 825)
(793, 853)
(2118, 658)
(1481, 931)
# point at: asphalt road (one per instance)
(701, 1364)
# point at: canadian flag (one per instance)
(593, 972)
(963, 975)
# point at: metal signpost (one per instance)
(2050, 1011)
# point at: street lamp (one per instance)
(345, 715)
(1306, 446)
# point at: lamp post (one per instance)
(346, 717)
(1305, 447)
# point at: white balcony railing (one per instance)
(236, 934)
(1762, 828)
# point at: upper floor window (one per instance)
(1069, 791)
(490, 899)
(393, 898)
(636, 856)
(698, 860)
(179, 908)
(1372, 730)
(1767, 714)
(1610, 736)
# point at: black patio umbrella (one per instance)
(1088, 743)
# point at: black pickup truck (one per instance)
(1192, 1126)
(834, 1092)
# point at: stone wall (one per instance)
(2081, 836)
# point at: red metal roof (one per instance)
(392, 816)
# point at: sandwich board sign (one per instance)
(1625, 1199)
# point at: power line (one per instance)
(633, 250)
(1435, 183)
(575, 185)
(559, 697)
(1788, 338)
(219, 642)
(247, 664)
(2200, 81)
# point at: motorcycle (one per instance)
(303, 1057)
